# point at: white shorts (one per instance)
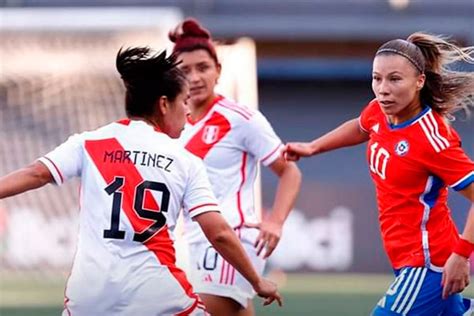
(209, 273)
(147, 308)
(193, 310)
(128, 289)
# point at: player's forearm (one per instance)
(287, 191)
(468, 232)
(347, 134)
(225, 241)
(230, 248)
(25, 179)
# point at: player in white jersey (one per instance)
(134, 181)
(232, 140)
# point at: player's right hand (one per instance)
(268, 237)
(455, 275)
(269, 291)
(294, 151)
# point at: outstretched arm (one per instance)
(347, 134)
(225, 241)
(31, 177)
(272, 225)
(456, 269)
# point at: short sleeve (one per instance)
(261, 140)
(65, 161)
(367, 115)
(198, 197)
(453, 166)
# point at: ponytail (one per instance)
(445, 90)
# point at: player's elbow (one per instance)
(293, 175)
(215, 227)
(38, 173)
(221, 235)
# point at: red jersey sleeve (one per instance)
(367, 117)
(450, 163)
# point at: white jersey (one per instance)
(134, 182)
(231, 140)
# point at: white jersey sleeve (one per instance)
(65, 161)
(198, 196)
(261, 140)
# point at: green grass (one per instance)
(321, 304)
(304, 294)
(30, 311)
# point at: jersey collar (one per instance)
(410, 121)
(214, 102)
(127, 121)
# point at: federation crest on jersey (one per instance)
(402, 148)
(210, 134)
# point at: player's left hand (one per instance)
(268, 238)
(455, 275)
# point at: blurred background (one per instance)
(306, 63)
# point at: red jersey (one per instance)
(412, 164)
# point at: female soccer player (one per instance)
(231, 139)
(134, 180)
(413, 156)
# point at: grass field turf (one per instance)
(304, 294)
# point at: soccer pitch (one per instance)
(304, 294)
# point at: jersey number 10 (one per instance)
(160, 220)
(378, 159)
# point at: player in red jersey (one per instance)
(135, 179)
(232, 140)
(414, 155)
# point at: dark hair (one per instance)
(445, 90)
(148, 76)
(189, 36)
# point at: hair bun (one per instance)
(188, 29)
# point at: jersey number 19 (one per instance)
(160, 220)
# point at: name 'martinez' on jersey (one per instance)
(138, 157)
(135, 182)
